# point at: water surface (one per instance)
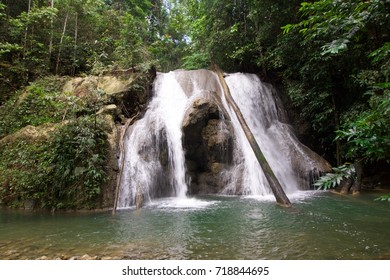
(319, 226)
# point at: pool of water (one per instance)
(320, 225)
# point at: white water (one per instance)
(154, 157)
(257, 104)
(143, 169)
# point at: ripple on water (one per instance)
(181, 204)
(318, 226)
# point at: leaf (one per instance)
(79, 171)
(331, 180)
(335, 47)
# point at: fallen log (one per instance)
(276, 188)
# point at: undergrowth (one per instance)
(64, 171)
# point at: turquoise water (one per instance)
(319, 226)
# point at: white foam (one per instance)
(181, 203)
(295, 197)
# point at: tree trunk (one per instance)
(276, 188)
(26, 30)
(345, 185)
(75, 46)
(51, 33)
(357, 185)
(263, 68)
(61, 40)
(337, 126)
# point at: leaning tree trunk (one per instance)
(276, 188)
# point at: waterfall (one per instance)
(258, 106)
(155, 158)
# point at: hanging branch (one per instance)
(276, 188)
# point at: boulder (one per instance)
(31, 133)
(308, 166)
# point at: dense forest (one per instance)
(330, 58)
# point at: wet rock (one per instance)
(29, 204)
(308, 166)
(88, 257)
(217, 137)
(208, 143)
(110, 109)
(108, 189)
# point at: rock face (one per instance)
(128, 90)
(109, 99)
(208, 143)
(304, 176)
(125, 93)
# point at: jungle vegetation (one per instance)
(331, 58)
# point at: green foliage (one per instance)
(367, 135)
(78, 36)
(44, 102)
(36, 105)
(366, 130)
(58, 162)
(78, 154)
(130, 50)
(196, 61)
(331, 180)
(336, 55)
(22, 174)
(65, 170)
(383, 198)
(338, 23)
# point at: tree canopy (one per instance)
(332, 57)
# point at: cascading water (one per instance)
(154, 155)
(257, 104)
(155, 160)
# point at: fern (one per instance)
(331, 180)
(383, 198)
